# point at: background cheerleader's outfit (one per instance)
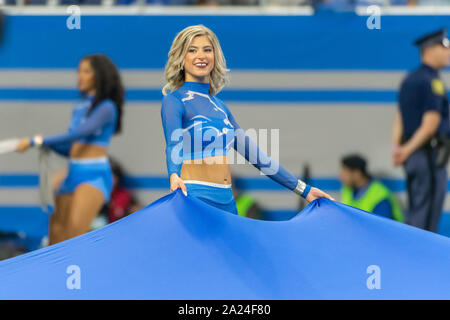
(96, 128)
(199, 125)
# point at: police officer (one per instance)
(422, 116)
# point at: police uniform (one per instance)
(422, 90)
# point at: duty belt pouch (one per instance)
(443, 151)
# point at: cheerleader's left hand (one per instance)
(315, 193)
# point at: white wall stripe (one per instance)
(239, 79)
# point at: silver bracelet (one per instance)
(37, 141)
(300, 187)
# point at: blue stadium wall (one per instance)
(325, 41)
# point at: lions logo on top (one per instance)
(209, 133)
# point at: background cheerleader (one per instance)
(95, 118)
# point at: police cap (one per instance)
(436, 37)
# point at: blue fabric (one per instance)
(188, 111)
(417, 97)
(221, 198)
(181, 248)
(96, 128)
(99, 175)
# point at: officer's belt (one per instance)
(434, 142)
(442, 144)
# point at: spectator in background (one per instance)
(246, 205)
(361, 191)
(11, 245)
(122, 201)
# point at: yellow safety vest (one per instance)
(243, 204)
(376, 193)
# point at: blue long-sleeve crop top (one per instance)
(96, 128)
(199, 125)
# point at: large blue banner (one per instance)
(181, 248)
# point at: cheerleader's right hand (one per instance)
(176, 182)
(24, 145)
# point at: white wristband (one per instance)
(37, 140)
(300, 187)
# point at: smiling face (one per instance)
(199, 60)
(86, 77)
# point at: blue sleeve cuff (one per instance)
(306, 191)
(171, 173)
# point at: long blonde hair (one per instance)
(173, 72)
